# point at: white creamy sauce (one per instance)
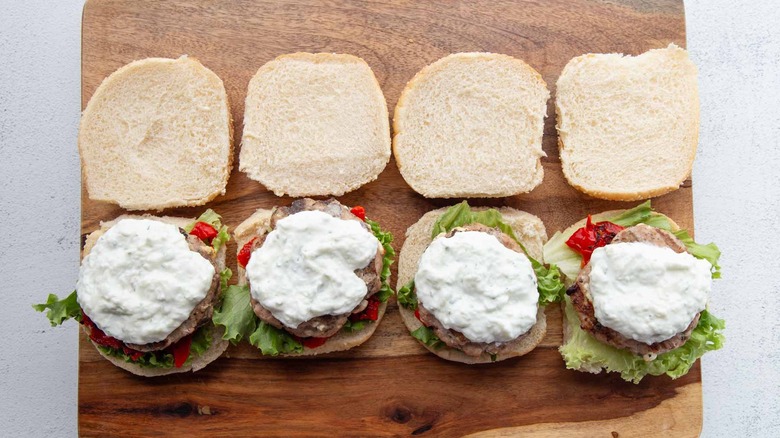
(306, 267)
(646, 292)
(141, 281)
(473, 284)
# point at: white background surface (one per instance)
(736, 46)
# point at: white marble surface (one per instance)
(736, 46)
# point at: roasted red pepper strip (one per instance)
(370, 313)
(204, 232)
(312, 342)
(181, 351)
(586, 239)
(417, 315)
(245, 253)
(134, 354)
(99, 337)
(359, 212)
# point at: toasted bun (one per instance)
(528, 228)
(259, 223)
(217, 346)
(470, 125)
(628, 126)
(157, 133)
(314, 125)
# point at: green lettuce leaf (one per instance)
(60, 310)
(642, 214)
(222, 238)
(201, 341)
(148, 360)
(354, 326)
(709, 252)
(567, 260)
(273, 341)
(584, 352)
(427, 337)
(659, 220)
(633, 216)
(224, 277)
(407, 297)
(549, 282)
(235, 314)
(385, 238)
(492, 218)
(212, 218)
(151, 360)
(455, 216)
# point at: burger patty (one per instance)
(201, 314)
(456, 339)
(580, 298)
(326, 325)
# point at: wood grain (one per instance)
(390, 385)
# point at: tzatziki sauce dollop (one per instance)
(473, 284)
(141, 280)
(646, 292)
(306, 267)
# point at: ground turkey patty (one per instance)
(201, 314)
(580, 297)
(456, 339)
(326, 325)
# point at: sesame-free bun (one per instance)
(628, 126)
(217, 346)
(314, 125)
(568, 329)
(258, 224)
(470, 125)
(157, 133)
(528, 228)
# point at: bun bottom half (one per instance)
(528, 228)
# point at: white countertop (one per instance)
(736, 46)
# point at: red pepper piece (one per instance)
(417, 315)
(312, 342)
(245, 253)
(586, 239)
(134, 354)
(582, 240)
(97, 336)
(359, 212)
(370, 313)
(204, 232)
(181, 351)
(605, 232)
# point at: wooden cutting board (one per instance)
(390, 385)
